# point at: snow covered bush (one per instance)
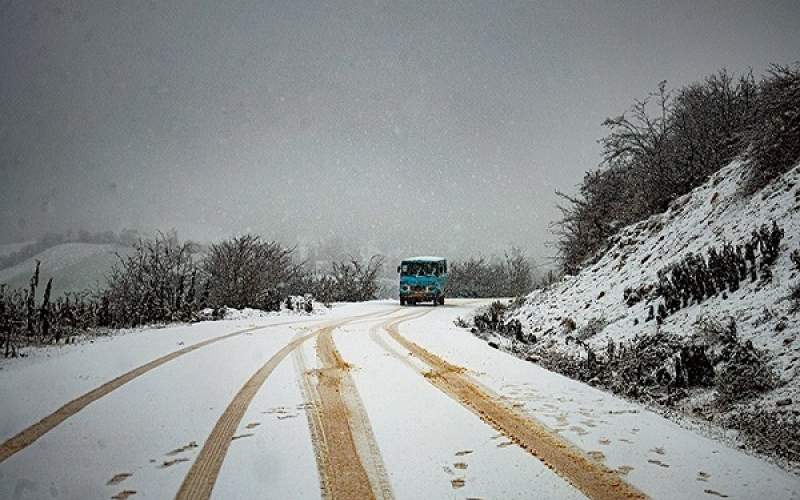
(774, 429)
(24, 320)
(743, 373)
(247, 271)
(157, 281)
(351, 280)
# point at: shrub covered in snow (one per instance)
(246, 271)
(351, 280)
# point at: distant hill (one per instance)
(9, 248)
(73, 266)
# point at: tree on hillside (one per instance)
(773, 134)
(663, 147)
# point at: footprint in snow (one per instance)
(176, 451)
(659, 463)
(703, 476)
(252, 425)
(460, 465)
(463, 452)
(715, 493)
(624, 469)
(122, 495)
(458, 483)
(170, 463)
(240, 436)
(118, 478)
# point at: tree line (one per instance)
(673, 141)
(163, 279)
(507, 276)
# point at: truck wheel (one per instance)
(441, 300)
(402, 302)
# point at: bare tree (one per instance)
(247, 271)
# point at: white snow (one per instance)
(585, 416)
(418, 429)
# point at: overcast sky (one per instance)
(443, 128)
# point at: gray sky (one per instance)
(433, 129)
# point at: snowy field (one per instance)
(147, 438)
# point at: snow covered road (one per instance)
(365, 401)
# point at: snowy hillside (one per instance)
(73, 266)
(708, 216)
(616, 297)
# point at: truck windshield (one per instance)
(420, 269)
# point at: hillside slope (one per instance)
(589, 311)
(73, 267)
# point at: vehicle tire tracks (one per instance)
(199, 481)
(32, 433)
(593, 479)
(347, 453)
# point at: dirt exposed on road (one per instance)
(590, 477)
(348, 458)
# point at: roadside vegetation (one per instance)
(671, 142)
(507, 276)
(165, 280)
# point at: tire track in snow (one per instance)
(593, 479)
(199, 481)
(29, 435)
(348, 458)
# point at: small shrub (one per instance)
(743, 374)
(590, 329)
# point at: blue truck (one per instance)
(423, 279)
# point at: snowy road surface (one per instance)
(365, 401)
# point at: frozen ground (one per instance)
(148, 437)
